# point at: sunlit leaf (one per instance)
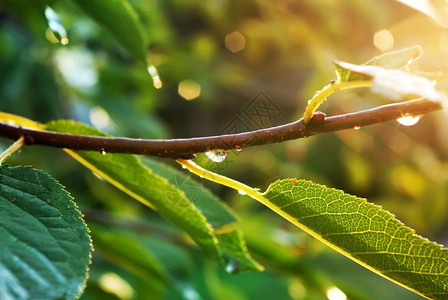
(45, 247)
(391, 83)
(396, 59)
(365, 233)
(390, 60)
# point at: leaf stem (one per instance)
(16, 146)
(229, 182)
(329, 89)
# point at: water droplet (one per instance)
(56, 27)
(357, 127)
(217, 155)
(409, 120)
(238, 148)
(155, 76)
(184, 167)
(241, 192)
(64, 41)
(103, 152)
(232, 267)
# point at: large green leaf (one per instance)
(207, 221)
(45, 247)
(121, 20)
(364, 232)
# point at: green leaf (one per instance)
(436, 9)
(121, 20)
(365, 233)
(211, 225)
(45, 247)
(224, 222)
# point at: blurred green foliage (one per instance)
(287, 53)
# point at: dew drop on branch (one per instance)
(217, 155)
(409, 120)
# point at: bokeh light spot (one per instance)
(112, 283)
(334, 293)
(64, 41)
(77, 67)
(189, 89)
(99, 118)
(383, 40)
(235, 42)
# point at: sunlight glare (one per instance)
(383, 40)
(333, 293)
(409, 120)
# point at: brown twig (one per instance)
(186, 148)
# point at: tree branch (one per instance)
(186, 148)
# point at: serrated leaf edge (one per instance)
(316, 235)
